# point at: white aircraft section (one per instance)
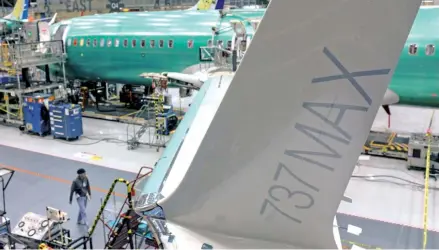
(195, 134)
(273, 166)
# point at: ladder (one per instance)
(159, 123)
(134, 141)
(121, 233)
(107, 197)
(6, 58)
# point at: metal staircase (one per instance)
(125, 224)
(150, 112)
(122, 236)
(137, 133)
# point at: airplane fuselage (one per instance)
(416, 78)
(119, 47)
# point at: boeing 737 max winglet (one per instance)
(273, 166)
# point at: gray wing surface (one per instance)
(275, 162)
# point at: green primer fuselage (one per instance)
(91, 43)
(416, 77)
(415, 80)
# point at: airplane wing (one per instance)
(180, 79)
(274, 163)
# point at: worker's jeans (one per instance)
(82, 203)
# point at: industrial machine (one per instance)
(66, 120)
(386, 144)
(418, 152)
(32, 229)
(5, 224)
(170, 120)
(134, 96)
(36, 113)
(35, 231)
(411, 148)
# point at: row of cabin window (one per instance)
(190, 43)
(429, 49)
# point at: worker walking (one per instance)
(81, 188)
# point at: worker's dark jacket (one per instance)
(80, 187)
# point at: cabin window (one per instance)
(229, 45)
(143, 43)
(220, 43)
(161, 43)
(75, 42)
(429, 49)
(95, 42)
(133, 43)
(116, 42)
(170, 44)
(102, 43)
(109, 42)
(125, 42)
(413, 49)
(81, 42)
(190, 44)
(87, 43)
(152, 43)
(69, 42)
(209, 43)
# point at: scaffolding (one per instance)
(18, 58)
(154, 126)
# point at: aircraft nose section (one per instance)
(390, 97)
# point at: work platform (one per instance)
(18, 58)
(26, 55)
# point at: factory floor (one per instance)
(46, 167)
(43, 180)
(407, 120)
(387, 199)
(103, 144)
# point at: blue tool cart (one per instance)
(170, 120)
(66, 121)
(36, 113)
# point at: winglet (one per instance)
(208, 5)
(52, 21)
(20, 12)
(270, 181)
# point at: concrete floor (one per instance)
(390, 210)
(42, 180)
(105, 140)
(45, 168)
(406, 120)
